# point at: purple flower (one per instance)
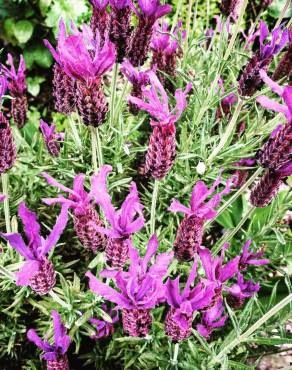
(3, 86)
(251, 258)
(125, 221)
(212, 319)
(61, 344)
(198, 204)
(105, 328)
(2, 197)
(16, 79)
(151, 9)
(135, 75)
(155, 102)
(164, 41)
(241, 290)
(99, 4)
(284, 92)
(36, 249)
(52, 138)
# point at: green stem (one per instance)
(153, 206)
(175, 18)
(227, 133)
(113, 93)
(283, 12)
(230, 234)
(99, 149)
(5, 272)
(236, 195)
(57, 299)
(5, 190)
(188, 23)
(75, 133)
(96, 150)
(175, 354)
(241, 338)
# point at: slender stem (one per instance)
(283, 12)
(236, 195)
(93, 148)
(175, 354)
(230, 234)
(5, 190)
(113, 93)
(121, 98)
(57, 299)
(99, 149)
(5, 272)
(175, 18)
(75, 133)
(188, 23)
(153, 206)
(227, 133)
(253, 328)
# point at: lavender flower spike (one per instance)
(190, 232)
(17, 88)
(216, 272)
(100, 20)
(212, 319)
(52, 138)
(241, 290)
(120, 26)
(250, 80)
(139, 290)
(7, 146)
(149, 11)
(231, 8)
(284, 68)
(124, 222)
(162, 146)
(37, 272)
(84, 213)
(178, 323)
(138, 79)
(105, 328)
(54, 354)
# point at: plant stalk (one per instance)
(57, 299)
(96, 151)
(75, 133)
(113, 93)
(175, 354)
(5, 190)
(253, 328)
(283, 12)
(153, 207)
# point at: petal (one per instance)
(172, 292)
(176, 206)
(53, 182)
(18, 244)
(272, 84)
(26, 272)
(33, 337)
(229, 270)
(151, 250)
(31, 225)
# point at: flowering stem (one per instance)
(96, 150)
(75, 134)
(5, 190)
(113, 93)
(283, 12)
(236, 195)
(230, 234)
(228, 132)
(153, 206)
(243, 337)
(175, 354)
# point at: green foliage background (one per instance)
(24, 25)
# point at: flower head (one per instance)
(120, 4)
(243, 289)
(277, 43)
(16, 79)
(99, 4)
(125, 221)
(284, 92)
(135, 76)
(164, 41)
(37, 247)
(81, 55)
(198, 204)
(51, 137)
(61, 340)
(251, 258)
(212, 319)
(105, 328)
(141, 286)
(151, 9)
(188, 300)
(155, 102)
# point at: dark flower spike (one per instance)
(148, 12)
(52, 138)
(54, 354)
(138, 79)
(124, 222)
(231, 8)
(190, 232)
(37, 272)
(17, 88)
(178, 323)
(250, 80)
(162, 146)
(7, 146)
(120, 26)
(241, 290)
(284, 68)
(268, 186)
(84, 213)
(139, 289)
(241, 175)
(165, 50)
(217, 272)
(100, 19)
(105, 328)
(212, 319)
